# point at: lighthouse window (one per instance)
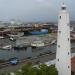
(68, 66)
(68, 53)
(63, 8)
(67, 24)
(59, 31)
(60, 17)
(57, 59)
(59, 46)
(68, 39)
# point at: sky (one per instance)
(34, 10)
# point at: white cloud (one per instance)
(46, 3)
(43, 1)
(40, 0)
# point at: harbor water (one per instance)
(29, 52)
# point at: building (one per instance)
(73, 65)
(63, 54)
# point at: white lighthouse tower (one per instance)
(63, 54)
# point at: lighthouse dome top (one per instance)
(63, 7)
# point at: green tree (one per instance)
(28, 70)
(43, 69)
(2, 74)
(18, 73)
(49, 30)
(52, 70)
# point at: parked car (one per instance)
(14, 61)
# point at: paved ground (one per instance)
(28, 39)
(40, 59)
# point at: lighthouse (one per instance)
(63, 53)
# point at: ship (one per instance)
(43, 31)
(20, 47)
(37, 44)
(7, 47)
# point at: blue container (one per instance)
(43, 31)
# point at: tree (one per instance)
(28, 70)
(52, 70)
(18, 73)
(49, 30)
(43, 69)
(2, 74)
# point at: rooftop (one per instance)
(73, 64)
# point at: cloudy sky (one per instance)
(33, 10)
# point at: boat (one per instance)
(43, 31)
(37, 44)
(8, 47)
(11, 39)
(20, 46)
(1, 37)
(53, 42)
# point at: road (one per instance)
(41, 59)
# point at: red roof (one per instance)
(73, 64)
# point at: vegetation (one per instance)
(49, 30)
(42, 69)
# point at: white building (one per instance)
(63, 55)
